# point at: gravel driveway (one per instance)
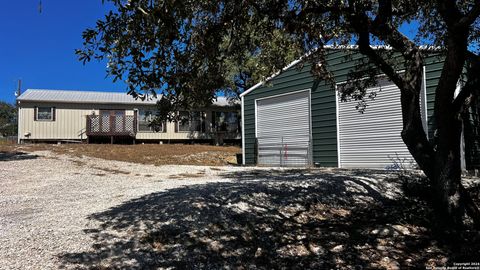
(45, 200)
(59, 211)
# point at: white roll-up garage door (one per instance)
(372, 139)
(283, 130)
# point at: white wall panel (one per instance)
(372, 139)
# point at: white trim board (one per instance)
(243, 130)
(339, 161)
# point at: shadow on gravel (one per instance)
(270, 220)
(9, 156)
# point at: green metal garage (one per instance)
(296, 120)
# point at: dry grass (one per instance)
(156, 154)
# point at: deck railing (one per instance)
(111, 125)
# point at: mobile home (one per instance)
(61, 115)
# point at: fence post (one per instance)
(310, 151)
(281, 154)
(255, 152)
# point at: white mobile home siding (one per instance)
(70, 122)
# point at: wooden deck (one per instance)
(112, 124)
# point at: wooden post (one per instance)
(111, 139)
(135, 116)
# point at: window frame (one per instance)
(225, 125)
(52, 113)
(151, 115)
(201, 120)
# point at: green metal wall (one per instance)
(471, 118)
(433, 69)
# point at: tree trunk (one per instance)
(441, 161)
(448, 200)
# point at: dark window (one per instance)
(183, 121)
(225, 121)
(145, 118)
(45, 114)
(191, 121)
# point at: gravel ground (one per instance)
(71, 212)
(45, 200)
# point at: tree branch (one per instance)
(471, 16)
(365, 48)
(449, 12)
(384, 13)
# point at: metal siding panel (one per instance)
(283, 121)
(372, 139)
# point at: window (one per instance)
(191, 121)
(225, 122)
(232, 122)
(45, 114)
(145, 118)
(183, 121)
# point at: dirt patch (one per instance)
(113, 171)
(188, 175)
(156, 154)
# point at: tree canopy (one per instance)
(191, 50)
(197, 48)
(8, 116)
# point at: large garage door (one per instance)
(283, 130)
(372, 139)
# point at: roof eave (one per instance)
(82, 102)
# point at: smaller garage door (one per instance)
(283, 130)
(372, 139)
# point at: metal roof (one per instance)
(74, 96)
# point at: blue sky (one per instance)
(39, 47)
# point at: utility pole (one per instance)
(17, 94)
(19, 88)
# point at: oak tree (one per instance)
(191, 50)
